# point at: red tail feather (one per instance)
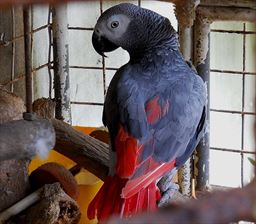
(127, 151)
(133, 188)
(108, 200)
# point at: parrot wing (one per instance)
(154, 131)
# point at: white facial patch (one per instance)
(123, 23)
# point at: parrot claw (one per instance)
(167, 196)
(167, 187)
(166, 181)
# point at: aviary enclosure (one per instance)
(47, 61)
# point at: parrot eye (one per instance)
(114, 24)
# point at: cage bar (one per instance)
(61, 63)
(202, 64)
(28, 56)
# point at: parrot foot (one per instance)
(169, 190)
(167, 180)
(169, 195)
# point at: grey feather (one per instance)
(156, 69)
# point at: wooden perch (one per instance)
(55, 207)
(220, 207)
(24, 139)
(14, 184)
(51, 205)
(21, 205)
(11, 106)
(83, 149)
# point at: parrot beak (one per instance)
(101, 44)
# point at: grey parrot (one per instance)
(154, 109)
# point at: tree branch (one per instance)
(83, 149)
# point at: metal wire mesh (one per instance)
(14, 77)
(104, 69)
(243, 151)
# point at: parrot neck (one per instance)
(162, 47)
(161, 35)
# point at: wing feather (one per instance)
(154, 130)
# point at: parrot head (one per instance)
(131, 27)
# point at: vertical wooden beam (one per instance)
(61, 62)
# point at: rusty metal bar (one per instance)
(22, 76)
(92, 67)
(233, 150)
(234, 3)
(13, 48)
(87, 103)
(233, 31)
(103, 60)
(50, 51)
(80, 28)
(243, 104)
(255, 128)
(184, 174)
(6, 3)
(185, 177)
(7, 42)
(185, 14)
(202, 64)
(185, 38)
(227, 13)
(28, 56)
(40, 28)
(233, 72)
(61, 63)
(230, 3)
(233, 112)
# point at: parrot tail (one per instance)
(108, 200)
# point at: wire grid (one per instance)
(243, 151)
(49, 64)
(103, 67)
(90, 64)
